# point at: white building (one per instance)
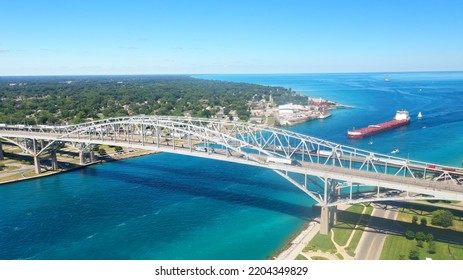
(288, 109)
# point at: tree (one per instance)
(118, 149)
(443, 218)
(424, 221)
(414, 219)
(96, 148)
(419, 243)
(414, 254)
(2, 165)
(205, 114)
(101, 152)
(409, 235)
(420, 236)
(48, 101)
(429, 237)
(432, 247)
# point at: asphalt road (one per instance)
(372, 240)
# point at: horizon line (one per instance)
(242, 73)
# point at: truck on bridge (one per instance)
(288, 161)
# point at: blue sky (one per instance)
(229, 36)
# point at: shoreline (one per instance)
(294, 245)
(300, 119)
(49, 173)
(101, 160)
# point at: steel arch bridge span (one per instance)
(330, 173)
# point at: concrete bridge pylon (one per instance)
(1, 151)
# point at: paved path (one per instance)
(22, 169)
(372, 240)
(342, 249)
(300, 242)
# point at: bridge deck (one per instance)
(348, 174)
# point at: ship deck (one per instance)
(375, 128)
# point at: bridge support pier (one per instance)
(92, 156)
(37, 165)
(35, 147)
(54, 161)
(81, 157)
(1, 152)
(327, 219)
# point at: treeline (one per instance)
(58, 100)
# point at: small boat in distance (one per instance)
(420, 115)
(395, 151)
(387, 80)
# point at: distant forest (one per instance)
(61, 100)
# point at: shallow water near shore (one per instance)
(175, 207)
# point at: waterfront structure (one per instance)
(291, 114)
(330, 173)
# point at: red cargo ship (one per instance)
(401, 118)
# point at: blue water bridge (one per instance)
(330, 173)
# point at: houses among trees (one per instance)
(68, 100)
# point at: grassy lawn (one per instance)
(300, 257)
(407, 214)
(342, 230)
(11, 177)
(317, 258)
(11, 167)
(108, 149)
(369, 210)
(355, 240)
(346, 223)
(320, 242)
(356, 208)
(395, 246)
(17, 176)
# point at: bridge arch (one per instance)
(324, 170)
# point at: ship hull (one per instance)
(374, 129)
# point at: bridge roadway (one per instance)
(411, 186)
(327, 167)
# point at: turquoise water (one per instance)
(175, 207)
(155, 207)
(437, 137)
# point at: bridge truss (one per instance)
(330, 173)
